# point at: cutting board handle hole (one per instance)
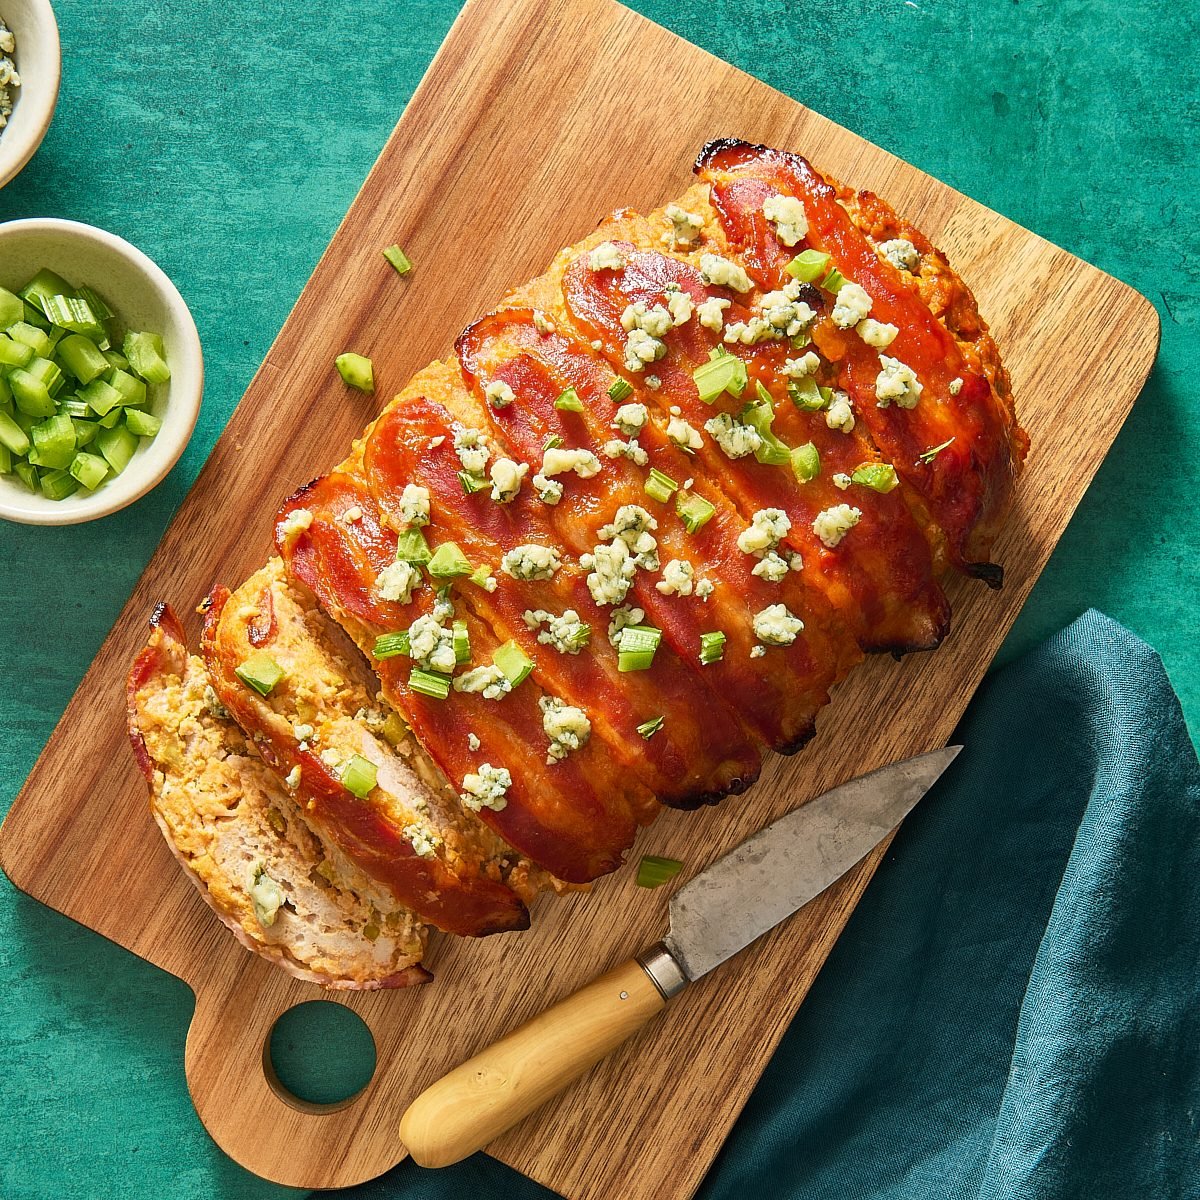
(319, 1056)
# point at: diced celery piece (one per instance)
(45, 283)
(14, 354)
(47, 371)
(355, 370)
(12, 308)
(462, 643)
(147, 356)
(81, 357)
(6, 461)
(30, 335)
(30, 394)
(448, 562)
(58, 485)
(88, 469)
(133, 391)
(106, 316)
(398, 259)
(659, 486)
(54, 441)
(101, 397)
(358, 776)
(806, 462)
(116, 359)
(25, 420)
(85, 432)
(110, 420)
(808, 266)
(27, 473)
(6, 400)
(75, 316)
(260, 672)
(74, 407)
(429, 683)
(143, 424)
(515, 665)
(412, 547)
(117, 445)
(569, 401)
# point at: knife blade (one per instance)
(720, 911)
(781, 868)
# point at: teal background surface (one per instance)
(227, 140)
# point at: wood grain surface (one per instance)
(534, 120)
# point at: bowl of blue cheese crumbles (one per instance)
(30, 70)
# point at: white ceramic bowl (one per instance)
(143, 298)
(38, 60)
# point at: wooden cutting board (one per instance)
(534, 120)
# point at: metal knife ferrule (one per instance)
(665, 973)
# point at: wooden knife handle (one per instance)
(491, 1092)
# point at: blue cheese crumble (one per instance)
(840, 414)
(632, 450)
(631, 546)
(506, 478)
(682, 434)
(776, 626)
(530, 561)
(630, 419)
(431, 645)
(486, 788)
(422, 839)
(877, 334)
(397, 582)
(901, 253)
(568, 633)
(720, 272)
(9, 78)
(767, 528)
(414, 505)
(678, 577)
(498, 394)
(832, 524)
(567, 727)
(897, 383)
(787, 214)
(735, 439)
(802, 367)
(472, 449)
(606, 257)
(685, 226)
(711, 313)
(645, 329)
(852, 305)
(487, 681)
(679, 305)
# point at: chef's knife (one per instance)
(713, 916)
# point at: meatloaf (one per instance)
(601, 559)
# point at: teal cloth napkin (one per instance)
(1012, 1011)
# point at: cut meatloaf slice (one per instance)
(320, 727)
(570, 817)
(240, 836)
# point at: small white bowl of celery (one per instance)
(101, 373)
(37, 57)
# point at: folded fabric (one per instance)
(1011, 1013)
